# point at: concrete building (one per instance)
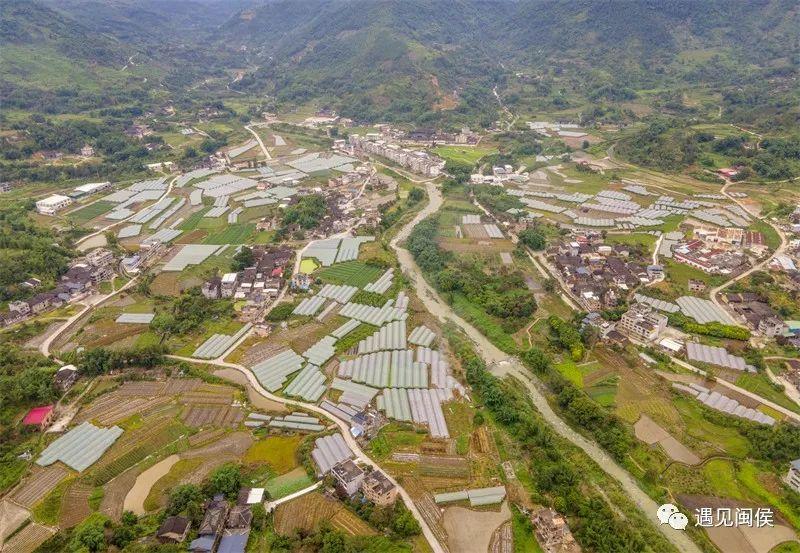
(348, 477)
(378, 489)
(53, 204)
(642, 322)
(792, 478)
(552, 532)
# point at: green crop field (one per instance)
(288, 483)
(232, 234)
(354, 273)
(462, 154)
(193, 220)
(277, 451)
(91, 211)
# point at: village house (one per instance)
(642, 322)
(39, 417)
(714, 261)
(53, 204)
(552, 532)
(210, 529)
(174, 529)
(65, 377)
(378, 489)
(348, 477)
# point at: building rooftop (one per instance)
(37, 415)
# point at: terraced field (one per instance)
(29, 538)
(307, 512)
(38, 484)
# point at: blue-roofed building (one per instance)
(233, 543)
(203, 544)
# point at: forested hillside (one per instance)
(419, 61)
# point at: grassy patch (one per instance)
(277, 451)
(761, 385)
(178, 472)
(770, 236)
(91, 211)
(522, 529)
(354, 273)
(49, 509)
(288, 483)
(472, 313)
(462, 154)
(636, 239)
(308, 266)
(233, 234)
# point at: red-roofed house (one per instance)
(39, 416)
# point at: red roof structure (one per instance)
(277, 272)
(37, 415)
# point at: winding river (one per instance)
(500, 364)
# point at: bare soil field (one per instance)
(256, 400)
(29, 538)
(38, 484)
(471, 531)
(12, 516)
(134, 500)
(650, 433)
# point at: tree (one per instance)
(226, 480)
(415, 195)
(181, 497)
(533, 238)
(244, 258)
(259, 516)
(403, 522)
(89, 535)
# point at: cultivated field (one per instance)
(75, 505)
(38, 484)
(29, 538)
(114, 407)
(277, 451)
(305, 514)
(203, 415)
(354, 273)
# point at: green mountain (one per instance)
(381, 55)
(421, 60)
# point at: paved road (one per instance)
(758, 266)
(92, 302)
(501, 364)
(260, 142)
(344, 429)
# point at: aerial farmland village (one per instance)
(363, 276)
